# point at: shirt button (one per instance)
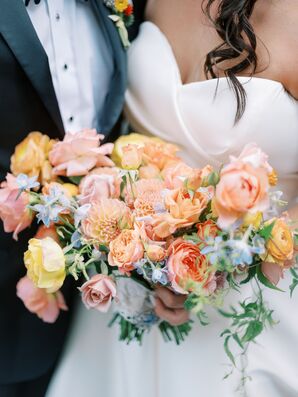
(57, 16)
(65, 67)
(70, 119)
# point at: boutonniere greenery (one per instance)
(122, 17)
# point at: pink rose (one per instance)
(14, 212)
(79, 152)
(241, 189)
(97, 293)
(176, 172)
(100, 183)
(46, 306)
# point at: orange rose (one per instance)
(280, 246)
(182, 211)
(126, 249)
(241, 189)
(186, 264)
(207, 229)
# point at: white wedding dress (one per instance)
(202, 124)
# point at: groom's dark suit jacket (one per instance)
(29, 347)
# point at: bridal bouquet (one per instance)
(122, 219)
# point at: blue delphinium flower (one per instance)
(160, 276)
(76, 239)
(25, 182)
(81, 213)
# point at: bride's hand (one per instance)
(170, 307)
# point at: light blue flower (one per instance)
(81, 213)
(47, 213)
(160, 276)
(25, 182)
(76, 239)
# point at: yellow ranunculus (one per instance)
(45, 264)
(121, 5)
(280, 246)
(31, 157)
(71, 189)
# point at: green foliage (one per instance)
(178, 333)
(75, 179)
(264, 280)
(294, 283)
(251, 274)
(266, 231)
(128, 332)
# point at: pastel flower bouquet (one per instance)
(122, 219)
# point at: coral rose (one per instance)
(208, 229)
(125, 250)
(105, 220)
(45, 264)
(241, 189)
(47, 306)
(31, 157)
(97, 293)
(100, 183)
(79, 152)
(182, 211)
(155, 253)
(186, 265)
(13, 207)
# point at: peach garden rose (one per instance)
(186, 264)
(126, 249)
(241, 189)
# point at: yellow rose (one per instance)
(45, 264)
(253, 219)
(280, 246)
(31, 157)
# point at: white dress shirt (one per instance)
(80, 60)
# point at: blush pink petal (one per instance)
(272, 271)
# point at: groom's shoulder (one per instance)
(139, 11)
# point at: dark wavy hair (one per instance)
(238, 43)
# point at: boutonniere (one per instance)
(123, 17)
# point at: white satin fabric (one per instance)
(202, 123)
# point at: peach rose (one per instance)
(97, 293)
(149, 172)
(253, 155)
(132, 157)
(177, 174)
(156, 253)
(186, 264)
(241, 189)
(106, 219)
(79, 152)
(43, 231)
(31, 157)
(47, 306)
(13, 209)
(125, 250)
(159, 153)
(182, 211)
(100, 183)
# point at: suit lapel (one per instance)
(18, 32)
(115, 98)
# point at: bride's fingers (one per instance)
(172, 316)
(169, 298)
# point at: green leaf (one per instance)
(237, 340)
(264, 280)
(266, 231)
(251, 273)
(191, 302)
(75, 179)
(228, 351)
(293, 286)
(252, 331)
